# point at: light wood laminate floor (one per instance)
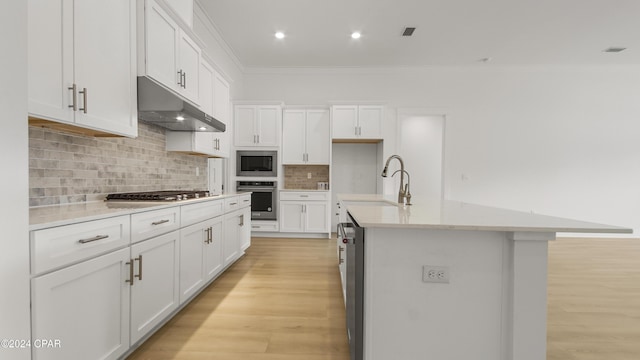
(282, 301)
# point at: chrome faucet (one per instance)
(402, 193)
(407, 187)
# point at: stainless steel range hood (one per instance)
(159, 106)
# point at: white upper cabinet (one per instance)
(214, 93)
(207, 75)
(169, 55)
(81, 64)
(305, 137)
(363, 122)
(184, 9)
(212, 144)
(257, 125)
(221, 98)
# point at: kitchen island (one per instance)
(456, 281)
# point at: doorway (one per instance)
(420, 143)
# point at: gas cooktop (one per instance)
(165, 195)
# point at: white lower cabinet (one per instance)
(85, 307)
(106, 294)
(245, 229)
(231, 242)
(200, 255)
(304, 212)
(154, 289)
(213, 249)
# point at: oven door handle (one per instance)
(244, 188)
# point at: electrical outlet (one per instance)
(308, 175)
(435, 274)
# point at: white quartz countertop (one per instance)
(57, 215)
(371, 210)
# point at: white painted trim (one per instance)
(199, 12)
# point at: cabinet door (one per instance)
(161, 39)
(269, 125)
(223, 144)
(318, 137)
(342, 266)
(189, 62)
(244, 125)
(370, 121)
(105, 73)
(155, 290)
(221, 99)
(344, 119)
(206, 88)
(291, 216)
(50, 60)
(86, 307)
(231, 244)
(316, 217)
(293, 137)
(245, 229)
(205, 142)
(191, 260)
(213, 249)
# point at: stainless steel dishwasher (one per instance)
(353, 237)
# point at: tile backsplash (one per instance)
(68, 168)
(296, 176)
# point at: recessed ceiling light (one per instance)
(280, 35)
(614, 49)
(179, 117)
(202, 128)
(355, 35)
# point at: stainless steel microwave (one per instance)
(256, 163)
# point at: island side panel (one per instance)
(406, 318)
(526, 317)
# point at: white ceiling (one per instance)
(449, 32)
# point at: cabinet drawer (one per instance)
(304, 196)
(231, 204)
(193, 213)
(64, 245)
(244, 200)
(266, 226)
(152, 223)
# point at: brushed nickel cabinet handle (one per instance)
(74, 102)
(340, 259)
(242, 220)
(130, 280)
(206, 231)
(95, 238)
(139, 260)
(210, 235)
(233, 204)
(180, 78)
(184, 82)
(84, 99)
(304, 196)
(160, 222)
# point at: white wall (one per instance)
(558, 140)
(14, 241)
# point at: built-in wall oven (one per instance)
(264, 198)
(256, 163)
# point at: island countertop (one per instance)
(373, 210)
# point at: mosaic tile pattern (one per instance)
(69, 168)
(296, 176)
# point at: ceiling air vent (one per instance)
(614, 49)
(408, 31)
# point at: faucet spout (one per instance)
(401, 193)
